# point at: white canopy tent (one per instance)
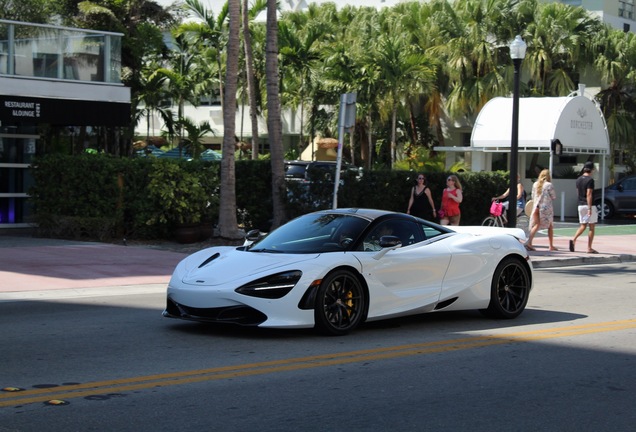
(575, 121)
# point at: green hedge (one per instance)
(99, 196)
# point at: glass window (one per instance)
(408, 232)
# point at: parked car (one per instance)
(620, 198)
(335, 269)
(306, 170)
(310, 184)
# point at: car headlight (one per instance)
(272, 286)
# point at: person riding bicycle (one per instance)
(521, 198)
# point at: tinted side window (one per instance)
(295, 170)
(408, 232)
(629, 184)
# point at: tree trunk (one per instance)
(274, 122)
(352, 146)
(393, 134)
(251, 87)
(228, 225)
(370, 143)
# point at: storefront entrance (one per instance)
(16, 153)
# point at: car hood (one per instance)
(223, 265)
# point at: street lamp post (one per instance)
(517, 53)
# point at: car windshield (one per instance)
(313, 233)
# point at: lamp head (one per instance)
(518, 48)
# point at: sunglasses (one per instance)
(450, 180)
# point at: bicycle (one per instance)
(500, 220)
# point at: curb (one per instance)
(579, 261)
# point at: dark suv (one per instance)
(620, 198)
(310, 183)
(308, 170)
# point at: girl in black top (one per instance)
(421, 202)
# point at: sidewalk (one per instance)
(611, 249)
(30, 267)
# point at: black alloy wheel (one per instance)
(341, 303)
(510, 289)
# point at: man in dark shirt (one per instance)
(588, 215)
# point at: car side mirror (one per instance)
(253, 235)
(620, 187)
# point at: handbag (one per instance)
(496, 208)
(441, 213)
(528, 209)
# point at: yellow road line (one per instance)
(285, 365)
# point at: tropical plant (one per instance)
(195, 134)
(616, 63)
(183, 79)
(211, 32)
(178, 194)
(403, 72)
(558, 53)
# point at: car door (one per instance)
(407, 278)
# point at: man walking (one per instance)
(588, 215)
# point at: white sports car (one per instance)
(336, 269)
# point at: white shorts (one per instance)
(583, 216)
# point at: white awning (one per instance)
(575, 121)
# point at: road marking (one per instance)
(224, 372)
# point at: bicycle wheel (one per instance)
(491, 221)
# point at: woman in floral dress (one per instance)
(542, 216)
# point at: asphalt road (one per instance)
(106, 363)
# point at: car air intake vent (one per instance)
(445, 303)
(212, 258)
(242, 315)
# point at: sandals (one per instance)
(592, 251)
(529, 248)
(571, 246)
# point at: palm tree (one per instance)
(250, 14)
(346, 67)
(274, 123)
(558, 35)
(299, 52)
(228, 225)
(616, 62)
(184, 78)
(425, 24)
(403, 73)
(195, 133)
(472, 57)
(152, 95)
(211, 32)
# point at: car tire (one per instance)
(607, 211)
(341, 303)
(510, 289)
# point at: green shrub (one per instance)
(97, 196)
